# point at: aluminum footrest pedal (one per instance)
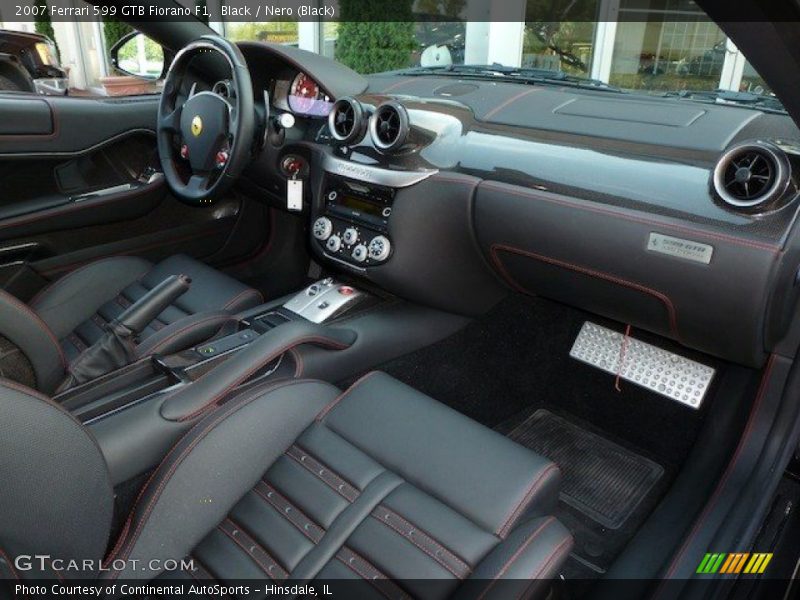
(651, 367)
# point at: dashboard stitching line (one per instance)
(508, 103)
(703, 232)
(673, 317)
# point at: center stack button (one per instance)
(350, 236)
(334, 243)
(360, 253)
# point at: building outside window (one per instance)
(652, 46)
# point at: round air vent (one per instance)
(389, 126)
(346, 121)
(752, 174)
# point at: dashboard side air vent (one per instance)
(389, 126)
(346, 121)
(752, 175)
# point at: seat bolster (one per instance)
(71, 300)
(31, 334)
(213, 466)
(56, 496)
(484, 475)
(529, 558)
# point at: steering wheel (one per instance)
(216, 133)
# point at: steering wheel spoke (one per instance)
(203, 120)
(197, 184)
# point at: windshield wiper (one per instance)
(517, 74)
(765, 103)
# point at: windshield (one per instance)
(657, 47)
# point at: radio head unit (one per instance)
(365, 203)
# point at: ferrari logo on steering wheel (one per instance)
(197, 126)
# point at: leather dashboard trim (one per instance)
(660, 296)
(515, 191)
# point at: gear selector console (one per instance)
(324, 300)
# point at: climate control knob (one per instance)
(379, 248)
(334, 243)
(360, 253)
(350, 236)
(322, 229)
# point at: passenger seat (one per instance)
(294, 480)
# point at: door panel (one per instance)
(92, 189)
(78, 124)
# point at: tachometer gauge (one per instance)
(303, 94)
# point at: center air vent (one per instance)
(389, 126)
(752, 174)
(346, 121)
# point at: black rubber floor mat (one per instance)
(601, 479)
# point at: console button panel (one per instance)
(352, 243)
(354, 227)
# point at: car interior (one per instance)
(439, 335)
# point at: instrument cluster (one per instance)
(303, 96)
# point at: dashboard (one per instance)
(450, 193)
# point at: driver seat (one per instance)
(68, 316)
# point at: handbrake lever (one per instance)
(116, 348)
(142, 312)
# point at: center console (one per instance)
(138, 411)
(354, 225)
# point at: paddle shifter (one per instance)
(117, 346)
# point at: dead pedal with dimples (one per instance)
(663, 372)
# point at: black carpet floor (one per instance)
(504, 367)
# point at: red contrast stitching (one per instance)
(508, 103)
(88, 205)
(304, 340)
(626, 217)
(242, 295)
(398, 84)
(324, 412)
(720, 486)
(298, 362)
(58, 282)
(250, 555)
(39, 321)
(673, 318)
(367, 577)
(534, 487)
(143, 248)
(516, 555)
(10, 564)
(171, 336)
(437, 558)
(224, 414)
(537, 575)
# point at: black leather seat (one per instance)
(68, 316)
(292, 481)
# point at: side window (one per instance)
(101, 57)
